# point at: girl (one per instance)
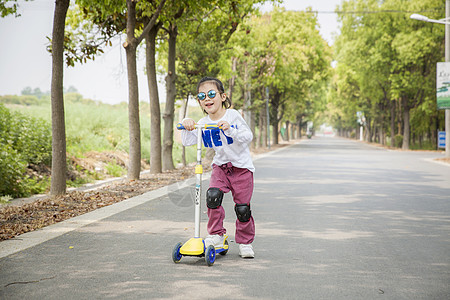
(232, 166)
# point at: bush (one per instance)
(30, 137)
(20, 100)
(12, 170)
(398, 140)
(24, 140)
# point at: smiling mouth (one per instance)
(209, 104)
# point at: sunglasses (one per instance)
(202, 96)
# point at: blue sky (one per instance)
(24, 60)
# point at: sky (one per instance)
(25, 62)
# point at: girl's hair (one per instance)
(220, 88)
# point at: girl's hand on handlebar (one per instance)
(189, 124)
(224, 125)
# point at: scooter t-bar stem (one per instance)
(198, 171)
(198, 182)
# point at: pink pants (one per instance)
(240, 182)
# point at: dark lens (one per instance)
(212, 94)
(201, 96)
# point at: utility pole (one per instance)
(447, 59)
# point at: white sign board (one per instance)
(443, 85)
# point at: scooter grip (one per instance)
(180, 126)
(212, 125)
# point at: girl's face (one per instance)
(212, 105)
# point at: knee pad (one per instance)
(214, 198)
(243, 212)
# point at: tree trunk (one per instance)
(299, 125)
(434, 130)
(275, 132)
(185, 109)
(406, 128)
(392, 123)
(253, 128)
(155, 112)
(264, 111)
(134, 167)
(170, 101)
(247, 97)
(287, 137)
(233, 77)
(399, 117)
(381, 135)
(59, 167)
(274, 117)
(259, 138)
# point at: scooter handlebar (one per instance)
(206, 126)
(180, 126)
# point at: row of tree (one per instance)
(386, 69)
(213, 22)
(282, 52)
(276, 66)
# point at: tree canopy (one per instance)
(386, 68)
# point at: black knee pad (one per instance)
(214, 198)
(243, 212)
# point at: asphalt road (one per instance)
(335, 219)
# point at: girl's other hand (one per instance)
(188, 124)
(224, 125)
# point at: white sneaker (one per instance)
(215, 240)
(246, 251)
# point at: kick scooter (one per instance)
(196, 245)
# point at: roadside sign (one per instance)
(441, 139)
(443, 85)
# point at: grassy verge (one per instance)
(92, 129)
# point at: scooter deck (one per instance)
(196, 247)
(193, 247)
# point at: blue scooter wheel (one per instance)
(176, 255)
(210, 255)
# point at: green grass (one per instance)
(115, 170)
(5, 199)
(426, 145)
(95, 126)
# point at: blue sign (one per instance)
(441, 139)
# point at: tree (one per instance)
(418, 47)
(108, 17)
(176, 12)
(387, 59)
(134, 167)
(283, 51)
(133, 102)
(155, 114)
(224, 18)
(59, 168)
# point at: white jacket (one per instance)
(231, 145)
